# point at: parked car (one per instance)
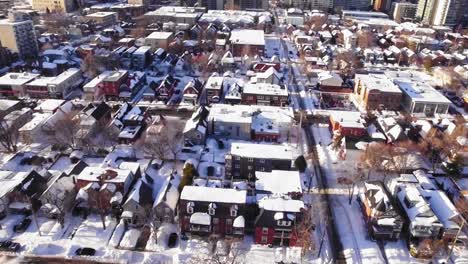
(172, 241)
(9, 245)
(21, 227)
(86, 251)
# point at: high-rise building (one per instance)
(382, 5)
(246, 4)
(18, 36)
(53, 5)
(442, 12)
(352, 4)
(403, 11)
(212, 4)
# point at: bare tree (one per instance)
(8, 136)
(350, 182)
(305, 228)
(163, 140)
(65, 130)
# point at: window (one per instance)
(237, 166)
(250, 159)
(265, 230)
(234, 209)
(215, 221)
(212, 209)
(262, 161)
(283, 223)
(264, 239)
(190, 208)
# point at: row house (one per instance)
(112, 84)
(14, 84)
(216, 211)
(245, 159)
(166, 88)
(192, 91)
(214, 88)
(264, 94)
(54, 87)
(382, 217)
(276, 222)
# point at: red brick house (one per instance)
(349, 124)
(205, 211)
(110, 87)
(264, 94)
(247, 42)
(264, 66)
(276, 221)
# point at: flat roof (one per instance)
(13, 78)
(379, 82)
(248, 37)
(264, 89)
(264, 151)
(97, 80)
(278, 181)
(417, 85)
(101, 14)
(208, 194)
(159, 35)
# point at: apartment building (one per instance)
(19, 37)
(53, 5)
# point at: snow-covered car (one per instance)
(21, 227)
(9, 245)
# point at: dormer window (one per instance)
(190, 206)
(234, 209)
(211, 208)
(283, 223)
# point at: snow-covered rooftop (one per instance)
(17, 78)
(378, 82)
(265, 89)
(278, 182)
(207, 194)
(280, 204)
(248, 37)
(264, 151)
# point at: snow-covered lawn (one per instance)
(91, 233)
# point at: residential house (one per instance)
(245, 159)
(98, 187)
(205, 211)
(247, 41)
(270, 76)
(276, 223)
(382, 218)
(376, 91)
(192, 91)
(265, 94)
(214, 88)
(8, 106)
(348, 124)
(93, 116)
(158, 40)
(166, 88)
(329, 81)
(138, 204)
(165, 204)
(113, 84)
(195, 130)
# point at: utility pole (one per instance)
(456, 238)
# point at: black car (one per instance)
(171, 242)
(21, 227)
(9, 245)
(86, 251)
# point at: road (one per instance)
(331, 230)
